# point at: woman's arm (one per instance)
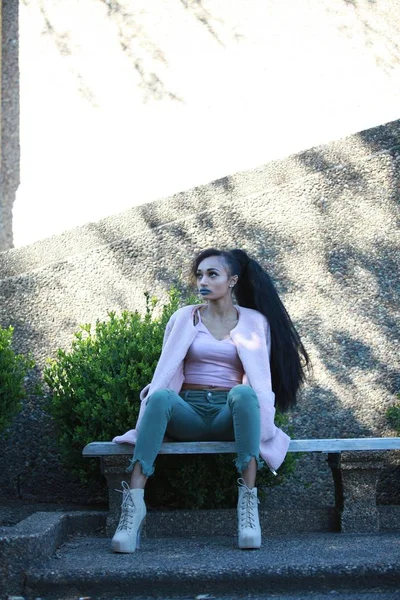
(267, 398)
(167, 332)
(267, 331)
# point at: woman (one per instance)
(222, 369)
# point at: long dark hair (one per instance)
(255, 289)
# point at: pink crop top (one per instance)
(212, 362)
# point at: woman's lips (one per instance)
(205, 292)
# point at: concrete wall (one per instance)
(125, 102)
(324, 223)
(9, 119)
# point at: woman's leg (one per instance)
(138, 480)
(249, 474)
(164, 407)
(242, 414)
(165, 412)
(243, 411)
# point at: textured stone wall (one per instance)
(324, 223)
(126, 102)
(9, 147)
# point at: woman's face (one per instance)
(212, 278)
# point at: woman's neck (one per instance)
(220, 311)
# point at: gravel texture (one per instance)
(238, 595)
(13, 512)
(194, 566)
(35, 539)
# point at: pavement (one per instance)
(314, 566)
(333, 595)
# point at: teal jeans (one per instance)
(200, 415)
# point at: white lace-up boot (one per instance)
(249, 531)
(133, 515)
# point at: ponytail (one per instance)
(255, 289)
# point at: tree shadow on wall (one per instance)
(363, 269)
(375, 23)
(168, 242)
(203, 16)
(63, 41)
(140, 50)
(145, 56)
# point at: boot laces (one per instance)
(248, 506)
(128, 508)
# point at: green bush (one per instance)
(13, 370)
(95, 386)
(393, 415)
(95, 395)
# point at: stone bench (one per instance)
(355, 464)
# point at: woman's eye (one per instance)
(210, 275)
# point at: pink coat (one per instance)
(252, 339)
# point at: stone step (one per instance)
(366, 594)
(334, 594)
(84, 566)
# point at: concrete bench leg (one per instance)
(355, 475)
(114, 470)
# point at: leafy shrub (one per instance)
(95, 386)
(393, 415)
(13, 370)
(95, 395)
